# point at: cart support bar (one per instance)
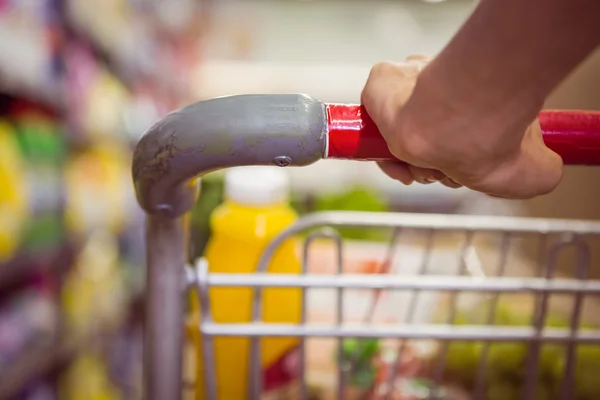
(166, 243)
(422, 283)
(399, 331)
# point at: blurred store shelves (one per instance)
(80, 81)
(23, 266)
(25, 65)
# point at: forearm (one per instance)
(510, 54)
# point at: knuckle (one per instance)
(383, 68)
(416, 148)
(420, 57)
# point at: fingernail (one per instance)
(428, 180)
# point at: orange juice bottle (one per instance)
(255, 210)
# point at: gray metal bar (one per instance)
(339, 255)
(420, 331)
(437, 283)
(462, 269)
(480, 386)
(538, 320)
(166, 248)
(208, 348)
(440, 222)
(285, 129)
(304, 306)
(414, 301)
(582, 270)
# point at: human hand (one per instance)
(442, 137)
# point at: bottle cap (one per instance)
(258, 186)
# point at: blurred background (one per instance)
(81, 80)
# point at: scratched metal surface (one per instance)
(220, 133)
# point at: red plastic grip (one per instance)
(574, 135)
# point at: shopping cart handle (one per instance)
(574, 135)
(282, 129)
(289, 129)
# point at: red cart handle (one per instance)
(574, 135)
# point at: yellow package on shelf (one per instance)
(87, 379)
(98, 181)
(93, 294)
(13, 192)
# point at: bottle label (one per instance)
(280, 379)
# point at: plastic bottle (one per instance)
(255, 210)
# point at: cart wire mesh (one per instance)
(560, 254)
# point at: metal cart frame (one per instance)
(298, 130)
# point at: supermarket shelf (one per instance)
(35, 362)
(24, 69)
(50, 357)
(119, 52)
(24, 265)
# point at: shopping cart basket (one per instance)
(297, 130)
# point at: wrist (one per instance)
(456, 94)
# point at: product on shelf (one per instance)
(97, 187)
(125, 361)
(43, 148)
(13, 193)
(39, 390)
(93, 295)
(105, 106)
(28, 319)
(29, 41)
(255, 210)
(88, 378)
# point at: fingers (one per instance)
(426, 175)
(451, 183)
(387, 90)
(424, 58)
(407, 174)
(397, 170)
(437, 143)
(388, 87)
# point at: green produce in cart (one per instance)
(507, 361)
(358, 198)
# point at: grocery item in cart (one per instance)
(255, 210)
